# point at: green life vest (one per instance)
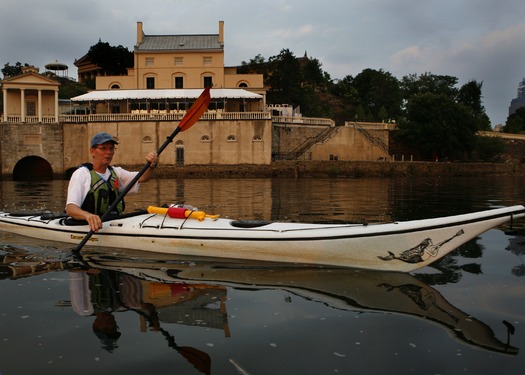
(102, 193)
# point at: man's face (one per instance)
(103, 153)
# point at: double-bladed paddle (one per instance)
(190, 118)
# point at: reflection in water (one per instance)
(302, 199)
(170, 289)
(517, 247)
(376, 297)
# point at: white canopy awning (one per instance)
(103, 95)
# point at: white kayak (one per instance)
(396, 246)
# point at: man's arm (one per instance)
(94, 221)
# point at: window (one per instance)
(115, 86)
(231, 138)
(206, 60)
(150, 82)
(257, 138)
(150, 61)
(179, 82)
(208, 82)
(243, 84)
(205, 138)
(30, 108)
(179, 61)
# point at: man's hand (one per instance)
(94, 221)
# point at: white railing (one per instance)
(303, 120)
(370, 125)
(151, 116)
(140, 117)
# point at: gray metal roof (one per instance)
(179, 42)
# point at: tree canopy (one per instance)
(112, 60)
(516, 122)
(12, 70)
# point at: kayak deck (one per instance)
(395, 246)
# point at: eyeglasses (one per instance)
(106, 148)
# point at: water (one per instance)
(466, 315)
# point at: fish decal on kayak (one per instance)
(417, 253)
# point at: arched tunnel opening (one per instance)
(32, 168)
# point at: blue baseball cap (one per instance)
(101, 138)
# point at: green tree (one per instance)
(515, 123)
(12, 70)
(112, 60)
(428, 83)
(257, 65)
(285, 79)
(470, 95)
(313, 75)
(69, 89)
(439, 127)
(379, 93)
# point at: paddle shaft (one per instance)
(191, 117)
(127, 188)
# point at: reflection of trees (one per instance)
(517, 247)
(449, 269)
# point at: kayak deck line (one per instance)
(400, 246)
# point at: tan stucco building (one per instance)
(169, 73)
(30, 97)
(180, 62)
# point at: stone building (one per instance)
(30, 97)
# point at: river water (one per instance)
(116, 311)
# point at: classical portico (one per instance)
(30, 97)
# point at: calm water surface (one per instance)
(125, 312)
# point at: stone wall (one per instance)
(25, 140)
(343, 169)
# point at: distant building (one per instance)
(175, 62)
(30, 97)
(520, 100)
(169, 67)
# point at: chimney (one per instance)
(221, 32)
(140, 33)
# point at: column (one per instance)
(22, 105)
(4, 91)
(56, 106)
(39, 110)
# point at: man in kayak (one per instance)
(95, 186)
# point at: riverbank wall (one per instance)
(340, 169)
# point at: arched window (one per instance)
(257, 138)
(205, 138)
(179, 143)
(231, 138)
(243, 84)
(147, 139)
(115, 86)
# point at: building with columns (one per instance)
(30, 97)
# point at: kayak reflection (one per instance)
(341, 288)
(172, 277)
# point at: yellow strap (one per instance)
(157, 210)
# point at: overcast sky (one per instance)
(482, 40)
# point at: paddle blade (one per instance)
(199, 359)
(196, 110)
